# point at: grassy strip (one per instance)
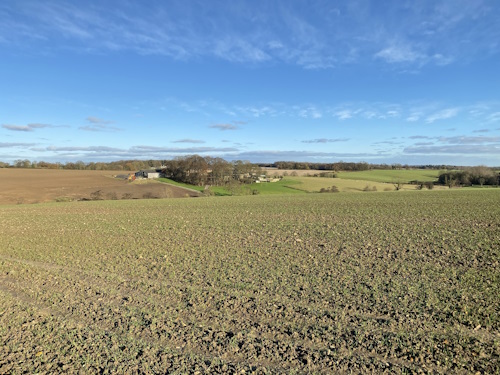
(181, 184)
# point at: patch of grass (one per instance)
(63, 199)
(220, 191)
(181, 184)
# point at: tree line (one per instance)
(120, 165)
(350, 166)
(470, 176)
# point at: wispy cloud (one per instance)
(224, 127)
(15, 144)
(323, 35)
(83, 148)
(26, 128)
(387, 143)
(310, 112)
(457, 145)
(186, 150)
(97, 120)
(344, 114)
(398, 54)
(454, 149)
(414, 116)
(494, 117)
(481, 131)
(99, 125)
(140, 151)
(256, 111)
(419, 137)
(188, 140)
(469, 140)
(424, 144)
(274, 155)
(442, 115)
(99, 128)
(424, 113)
(239, 50)
(326, 140)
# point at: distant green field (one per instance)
(288, 185)
(390, 176)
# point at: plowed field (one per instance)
(45, 185)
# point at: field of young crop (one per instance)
(310, 283)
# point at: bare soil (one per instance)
(47, 185)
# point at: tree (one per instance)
(221, 171)
(189, 169)
(244, 170)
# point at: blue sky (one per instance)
(414, 82)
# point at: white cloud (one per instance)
(344, 114)
(442, 115)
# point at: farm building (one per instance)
(148, 173)
(264, 178)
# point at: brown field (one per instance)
(46, 185)
(287, 172)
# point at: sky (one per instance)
(393, 81)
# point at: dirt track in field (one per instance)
(19, 186)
